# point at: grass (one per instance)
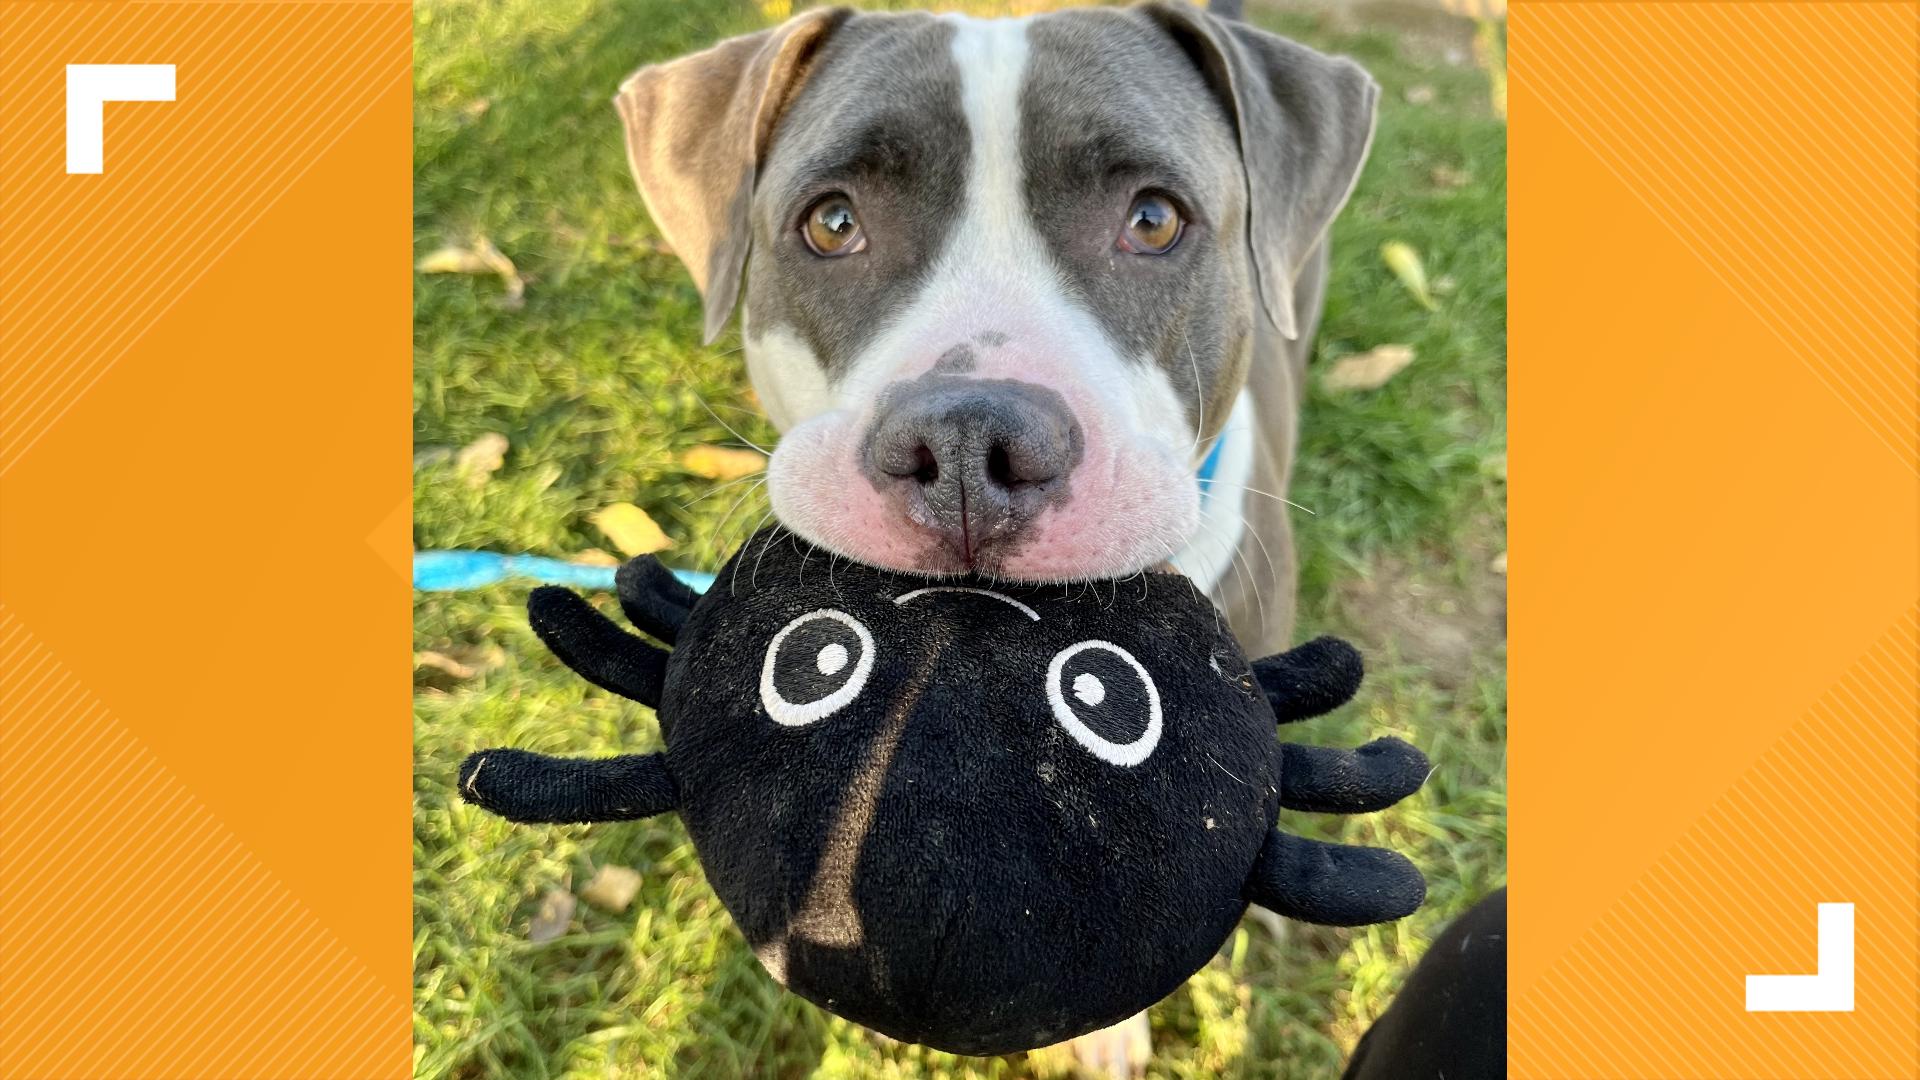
(599, 383)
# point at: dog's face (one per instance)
(1002, 278)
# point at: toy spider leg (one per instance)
(523, 786)
(653, 599)
(1333, 884)
(591, 644)
(1310, 679)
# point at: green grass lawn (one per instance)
(599, 383)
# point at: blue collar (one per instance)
(1205, 476)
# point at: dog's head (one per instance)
(1002, 278)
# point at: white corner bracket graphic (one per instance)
(89, 88)
(1828, 990)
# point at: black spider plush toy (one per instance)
(977, 816)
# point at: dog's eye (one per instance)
(832, 228)
(1153, 226)
(1104, 699)
(815, 665)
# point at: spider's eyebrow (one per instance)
(1003, 597)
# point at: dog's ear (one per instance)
(697, 130)
(1304, 120)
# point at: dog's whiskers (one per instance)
(1199, 396)
(1257, 491)
(753, 580)
(717, 488)
(721, 537)
(1273, 574)
(1217, 436)
(717, 419)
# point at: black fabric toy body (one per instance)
(976, 816)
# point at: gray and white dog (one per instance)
(1009, 285)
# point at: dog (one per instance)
(1030, 298)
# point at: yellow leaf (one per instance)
(482, 258)
(1490, 50)
(630, 529)
(612, 888)
(481, 458)
(595, 557)
(1405, 264)
(442, 668)
(722, 462)
(1369, 370)
(452, 260)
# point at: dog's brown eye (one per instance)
(832, 228)
(1153, 226)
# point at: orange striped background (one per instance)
(204, 743)
(1715, 536)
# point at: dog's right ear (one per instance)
(1304, 120)
(697, 130)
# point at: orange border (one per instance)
(204, 418)
(1714, 533)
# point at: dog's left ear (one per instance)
(1304, 120)
(697, 130)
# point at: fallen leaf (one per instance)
(612, 888)
(481, 458)
(445, 667)
(452, 260)
(1490, 52)
(481, 258)
(441, 662)
(722, 462)
(596, 557)
(1419, 95)
(556, 912)
(630, 529)
(475, 109)
(1405, 264)
(1500, 563)
(1369, 370)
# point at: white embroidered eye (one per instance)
(1115, 711)
(806, 675)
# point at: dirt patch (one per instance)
(1427, 618)
(1430, 33)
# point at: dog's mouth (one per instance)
(1125, 506)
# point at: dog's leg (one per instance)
(1118, 1051)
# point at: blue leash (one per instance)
(447, 571)
(443, 571)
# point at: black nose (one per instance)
(973, 459)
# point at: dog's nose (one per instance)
(973, 459)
